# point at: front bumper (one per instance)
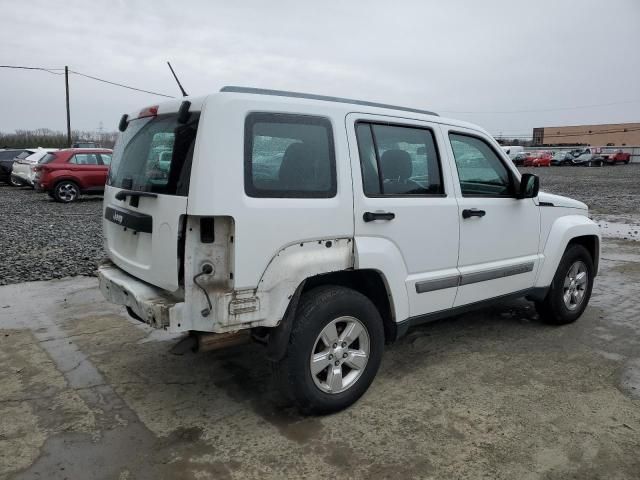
(154, 306)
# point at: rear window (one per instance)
(154, 155)
(48, 158)
(24, 154)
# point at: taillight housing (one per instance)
(148, 112)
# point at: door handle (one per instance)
(473, 212)
(371, 216)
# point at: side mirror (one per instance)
(529, 186)
(124, 122)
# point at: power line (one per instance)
(52, 70)
(120, 84)
(570, 134)
(576, 107)
(49, 70)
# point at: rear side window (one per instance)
(289, 156)
(24, 154)
(154, 154)
(48, 158)
(84, 159)
(106, 158)
(398, 160)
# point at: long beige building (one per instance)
(618, 134)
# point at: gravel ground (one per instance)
(42, 240)
(608, 191)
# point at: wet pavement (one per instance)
(89, 394)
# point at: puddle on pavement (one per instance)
(630, 380)
(624, 231)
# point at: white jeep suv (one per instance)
(326, 227)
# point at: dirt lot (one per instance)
(87, 393)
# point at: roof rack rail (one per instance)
(311, 96)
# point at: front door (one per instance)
(499, 233)
(406, 214)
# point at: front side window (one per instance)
(84, 159)
(289, 156)
(398, 160)
(480, 170)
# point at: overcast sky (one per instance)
(455, 56)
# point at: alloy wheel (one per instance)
(575, 285)
(67, 192)
(340, 354)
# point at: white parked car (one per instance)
(327, 227)
(23, 171)
(513, 150)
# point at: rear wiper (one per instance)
(123, 194)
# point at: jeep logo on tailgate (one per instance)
(139, 222)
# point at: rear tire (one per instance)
(66, 191)
(14, 182)
(334, 350)
(570, 289)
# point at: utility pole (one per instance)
(66, 83)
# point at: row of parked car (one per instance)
(64, 174)
(589, 157)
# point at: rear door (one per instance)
(146, 195)
(405, 209)
(105, 162)
(87, 169)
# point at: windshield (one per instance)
(154, 155)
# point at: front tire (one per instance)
(570, 289)
(66, 191)
(334, 351)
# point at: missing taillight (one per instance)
(206, 230)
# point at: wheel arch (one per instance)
(370, 283)
(56, 181)
(592, 244)
(567, 230)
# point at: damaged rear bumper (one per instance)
(154, 306)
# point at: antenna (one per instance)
(184, 94)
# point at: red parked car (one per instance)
(538, 159)
(617, 157)
(66, 174)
